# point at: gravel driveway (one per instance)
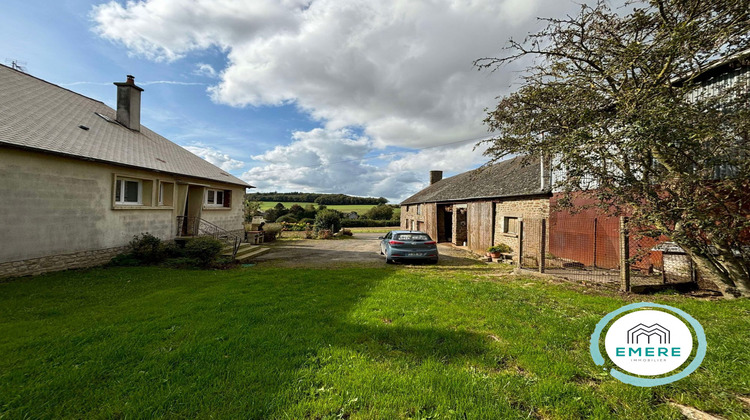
(361, 250)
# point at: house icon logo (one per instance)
(641, 331)
(649, 344)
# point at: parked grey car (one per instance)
(408, 245)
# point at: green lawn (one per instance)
(359, 208)
(391, 342)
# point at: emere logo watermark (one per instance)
(649, 340)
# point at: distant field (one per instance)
(359, 208)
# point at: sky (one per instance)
(346, 96)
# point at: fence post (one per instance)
(542, 245)
(520, 244)
(624, 255)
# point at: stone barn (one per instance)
(482, 207)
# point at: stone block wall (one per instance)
(409, 215)
(36, 266)
(531, 210)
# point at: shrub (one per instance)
(124, 260)
(327, 219)
(325, 234)
(172, 250)
(294, 227)
(307, 221)
(271, 231)
(146, 248)
(287, 218)
(503, 248)
(204, 249)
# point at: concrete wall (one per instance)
(56, 206)
(229, 218)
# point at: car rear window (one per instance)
(412, 237)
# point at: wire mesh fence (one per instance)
(656, 260)
(601, 250)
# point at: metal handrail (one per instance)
(195, 226)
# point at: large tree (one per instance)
(617, 99)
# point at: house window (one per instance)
(128, 192)
(419, 209)
(166, 193)
(218, 198)
(510, 225)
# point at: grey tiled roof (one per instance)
(38, 115)
(509, 178)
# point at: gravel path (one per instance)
(361, 250)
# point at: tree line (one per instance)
(326, 199)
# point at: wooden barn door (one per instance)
(430, 218)
(481, 225)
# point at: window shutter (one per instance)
(228, 198)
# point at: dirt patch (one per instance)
(360, 250)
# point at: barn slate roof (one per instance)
(509, 178)
(41, 116)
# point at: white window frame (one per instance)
(216, 202)
(122, 181)
(161, 194)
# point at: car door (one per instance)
(384, 243)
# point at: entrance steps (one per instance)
(246, 252)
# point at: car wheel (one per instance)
(388, 260)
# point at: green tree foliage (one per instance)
(251, 208)
(277, 211)
(328, 199)
(296, 210)
(380, 212)
(327, 220)
(614, 99)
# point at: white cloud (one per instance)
(400, 69)
(206, 70)
(222, 160)
(338, 161)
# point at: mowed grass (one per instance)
(359, 208)
(391, 342)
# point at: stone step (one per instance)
(250, 254)
(227, 250)
(246, 252)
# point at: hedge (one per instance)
(369, 223)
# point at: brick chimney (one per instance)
(129, 104)
(435, 176)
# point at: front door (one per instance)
(191, 197)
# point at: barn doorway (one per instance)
(461, 229)
(445, 223)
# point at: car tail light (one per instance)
(430, 243)
(396, 255)
(396, 242)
